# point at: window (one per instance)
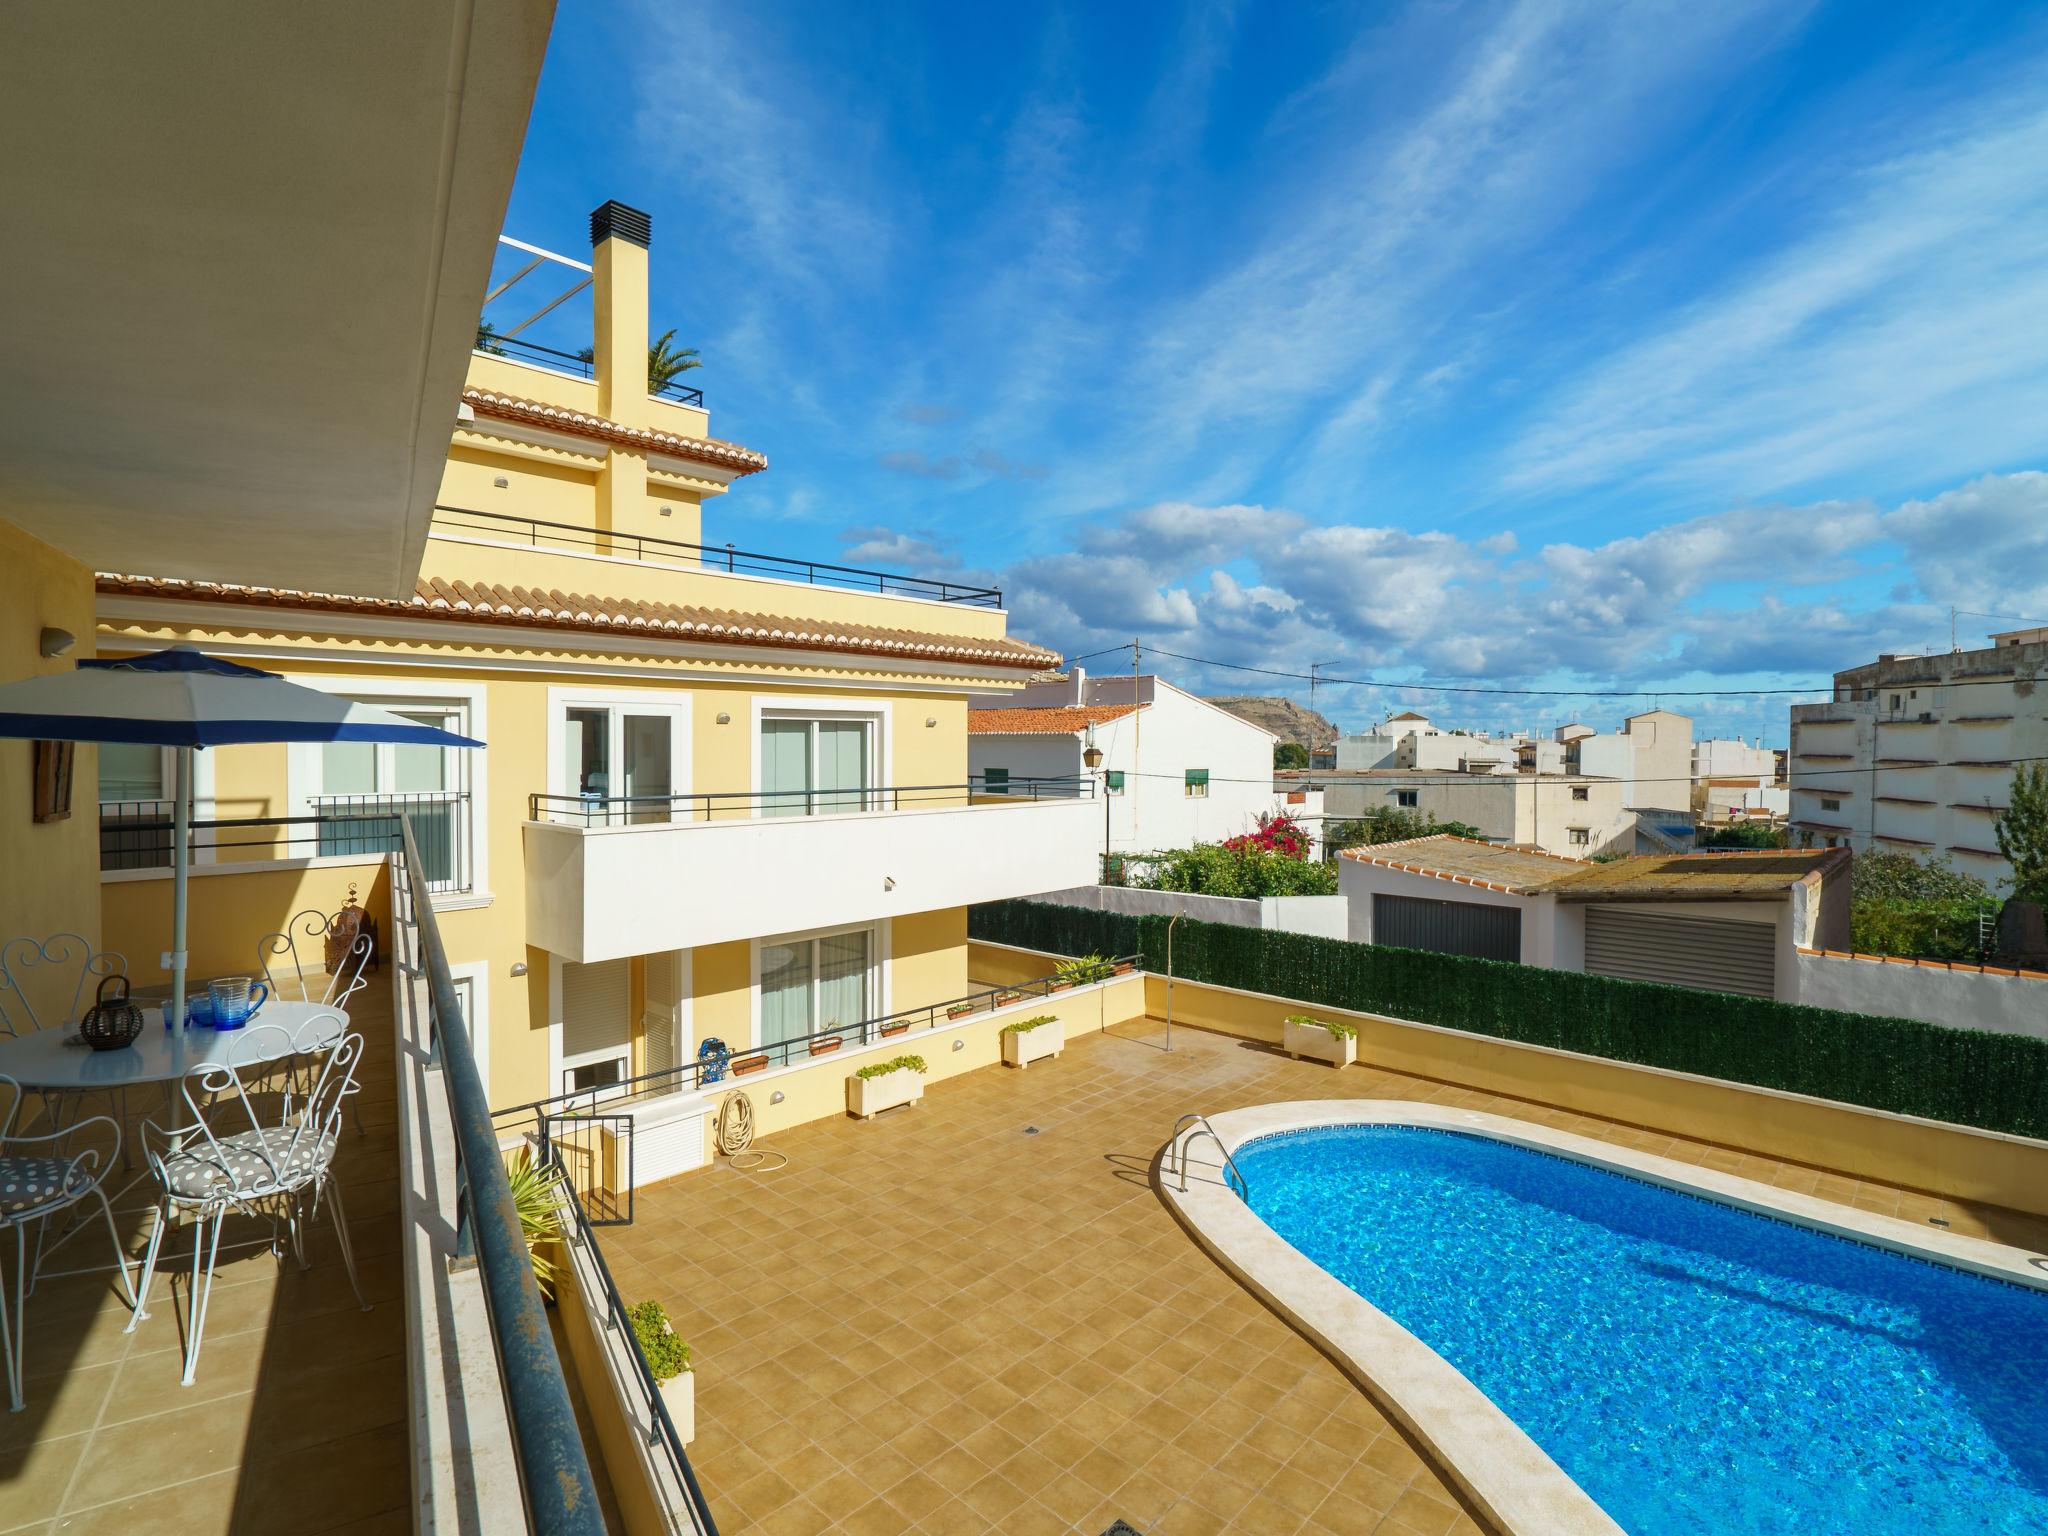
(597, 1038)
(1195, 784)
(1898, 701)
(1582, 792)
(619, 759)
(813, 984)
(1580, 837)
(1405, 798)
(428, 784)
(135, 790)
(1828, 804)
(996, 781)
(815, 767)
(1113, 781)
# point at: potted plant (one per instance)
(1030, 1040)
(537, 1194)
(742, 1065)
(822, 1044)
(894, 1028)
(884, 1085)
(1125, 966)
(1321, 1040)
(668, 1362)
(1008, 996)
(958, 1010)
(1082, 972)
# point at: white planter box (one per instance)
(1028, 1045)
(868, 1096)
(679, 1397)
(1305, 1040)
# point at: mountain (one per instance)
(1283, 717)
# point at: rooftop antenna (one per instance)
(1137, 764)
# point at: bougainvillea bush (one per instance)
(1276, 834)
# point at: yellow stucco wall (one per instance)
(49, 872)
(229, 914)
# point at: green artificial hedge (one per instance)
(1996, 1082)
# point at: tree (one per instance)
(1289, 754)
(1394, 826)
(1899, 905)
(2023, 832)
(1213, 869)
(666, 362)
(1748, 834)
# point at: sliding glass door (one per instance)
(815, 767)
(620, 760)
(815, 984)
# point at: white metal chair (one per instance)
(71, 959)
(39, 1178)
(263, 1146)
(338, 986)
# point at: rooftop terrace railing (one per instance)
(768, 804)
(581, 365)
(539, 533)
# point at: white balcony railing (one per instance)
(602, 891)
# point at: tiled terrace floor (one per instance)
(935, 1322)
(297, 1421)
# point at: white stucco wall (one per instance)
(1323, 916)
(1358, 882)
(1960, 999)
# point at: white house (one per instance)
(1732, 779)
(1178, 770)
(1730, 922)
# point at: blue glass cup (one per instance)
(235, 1000)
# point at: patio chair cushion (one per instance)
(253, 1162)
(27, 1182)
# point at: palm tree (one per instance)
(665, 361)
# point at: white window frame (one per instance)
(876, 719)
(1191, 788)
(878, 971)
(305, 768)
(621, 701)
(203, 808)
(1580, 837)
(477, 1015)
(559, 1062)
(1405, 799)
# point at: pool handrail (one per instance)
(1202, 1127)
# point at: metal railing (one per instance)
(737, 1066)
(137, 834)
(369, 823)
(582, 365)
(1202, 1127)
(749, 804)
(662, 1437)
(560, 1493)
(647, 548)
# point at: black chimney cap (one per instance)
(616, 221)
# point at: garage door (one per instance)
(1447, 927)
(1708, 952)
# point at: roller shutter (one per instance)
(1709, 952)
(594, 1009)
(1447, 927)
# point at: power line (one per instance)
(1437, 778)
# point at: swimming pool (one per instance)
(1697, 1369)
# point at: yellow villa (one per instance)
(724, 799)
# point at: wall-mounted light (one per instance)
(500, 481)
(668, 511)
(959, 1045)
(930, 721)
(518, 967)
(775, 1097)
(1092, 757)
(724, 718)
(888, 882)
(55, 642)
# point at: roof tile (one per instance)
(1043, 722)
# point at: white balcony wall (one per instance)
(599, 893)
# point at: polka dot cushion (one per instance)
(30, 1181)
(252, 1162)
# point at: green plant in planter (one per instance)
(665, 1353)
(537, 1195)
(884, 1068)
(1087, 969)
(1338, 1030)
(1024, 1026)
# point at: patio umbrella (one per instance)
(182, 699)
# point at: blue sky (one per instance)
(1546, 345)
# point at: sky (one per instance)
(1688, 350)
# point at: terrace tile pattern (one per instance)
(297, 1419)
(933, 1322)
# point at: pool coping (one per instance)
(1492, 1461)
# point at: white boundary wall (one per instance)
(1322, 916)
(1959, 999)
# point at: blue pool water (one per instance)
(1700, 1371)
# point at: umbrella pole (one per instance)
(181, 847)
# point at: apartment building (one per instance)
(725, 802)
(1176, 769)
(1734, 779)
(1572, 815)
(1651, 755)
(1915, 754)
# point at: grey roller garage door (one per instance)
(1447, 927)
(1708, 952)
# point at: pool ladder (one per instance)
(1202, 1127)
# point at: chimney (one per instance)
(619, 237)
(1077, 684)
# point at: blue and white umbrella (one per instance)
(182, 699)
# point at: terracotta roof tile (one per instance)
(559, 418)
(493, 603)
(1468, 861)
(1043, 722)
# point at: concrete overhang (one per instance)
(245, 253)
